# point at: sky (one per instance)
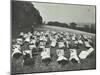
(66, 13)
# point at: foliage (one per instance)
(24, 14)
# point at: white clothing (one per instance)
(61, 44)
(87, 44)
(73, 55)
(16, 51)
(61, 58)
(45, 53)
(60, 52)
(84, 54)
(53, 43)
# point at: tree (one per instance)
(73, 25)
(55, 23)
(24, 14)
(86, 28)
(93, 28)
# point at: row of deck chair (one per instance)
(30, 44)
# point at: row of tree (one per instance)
(57, 24)
(72, 25)
(87, 28)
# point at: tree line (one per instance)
(25, 15)
(87, 28)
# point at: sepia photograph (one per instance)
(52, 37)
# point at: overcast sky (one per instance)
(66, 13)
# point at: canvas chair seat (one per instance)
(21, 34)
(67, 44)
(53, 43)
(80, 41)
(42, 43)
(27, 39)
(41, 38)
(29, 34)
(25, 36)
(42, 46)
(28, 52)
(75, 42)
(73, 55)
(33, 41)
(16, 54)
(45, 39)
(85, 54)
(60, 52)
(32, 46)
(61, 44)
(19, 40)
(16, 46)
(73, 38)
(87, 44)
(61, 58)
(45, 53)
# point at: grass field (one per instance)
(88, 63)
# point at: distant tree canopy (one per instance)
(57, 24)
(86, 28)
(93, 28)
(24, 14)
(73, 25)
(90, 28)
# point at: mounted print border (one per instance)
(52, 37)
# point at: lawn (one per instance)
(38, 66)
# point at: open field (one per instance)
(47, 27)
(55, 28)
(88, 63)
